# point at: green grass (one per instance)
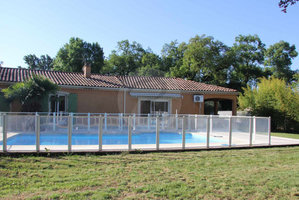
(228, 174)
(286, 135)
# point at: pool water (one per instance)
(108, 139)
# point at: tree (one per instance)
(30, 93)
(279, 56)
(45, 62)
(126, 59)
(273, 97)
(284, 4)
(248, 53)
(172, 58)
(73, 55)
(150, 65)
(205, 60)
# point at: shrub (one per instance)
(273, 97)
(30, 93)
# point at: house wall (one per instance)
(112, 101)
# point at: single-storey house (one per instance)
(96, 93)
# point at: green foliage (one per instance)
(45, 62)
(273, 98)
(30, 93)
(73, 55)
(205, 60)
(150, 65)
(126, 59)
(202, 59)
(248, 55)
(279, 56)
(172, 58)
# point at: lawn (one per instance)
(287, 135)
(270, 173)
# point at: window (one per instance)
(58, 103)
(154, 106)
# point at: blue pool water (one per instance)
(92, 139)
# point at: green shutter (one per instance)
(4, 104)
(45, 104)
(72, 102)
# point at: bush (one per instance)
(273, 97)
(30, 93)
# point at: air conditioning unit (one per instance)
(198, 98)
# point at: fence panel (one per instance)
(143, 132)
(219, 131)
(170, 134)
(115, 135)
(240, 130)
(20, 132)
(53, 133)
(1, 131)
(85, 133)
(260, 133)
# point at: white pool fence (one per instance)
(224, 131)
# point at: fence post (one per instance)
(157, 133)
(37, 131)
(196, 122)
(105, 121)
(183, 133)
(120, 121)
(88, 122)
(208, 131)
(250, 130)
(69, 134)
(54, 121)
(230, 131)
(148, 121)
(211, 123)
(134, 121)
(269, 130)
(189, 123)
(162, 121)
(254, 129)
(130, 133)
(176, 121)
(100, 133)
(4, 140)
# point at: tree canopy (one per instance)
(202, 59)
(45, 62)
(279, 56)
(73, 55)
(125, 59)
(248, 55)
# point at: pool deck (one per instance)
(242, 141)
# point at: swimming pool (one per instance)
(108, 139)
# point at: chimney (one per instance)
(86, 70)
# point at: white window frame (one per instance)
(155, 99)
(59, 94)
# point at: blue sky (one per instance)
(43, 26)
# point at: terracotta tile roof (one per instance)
(97, 80)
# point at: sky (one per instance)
(43, 26)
